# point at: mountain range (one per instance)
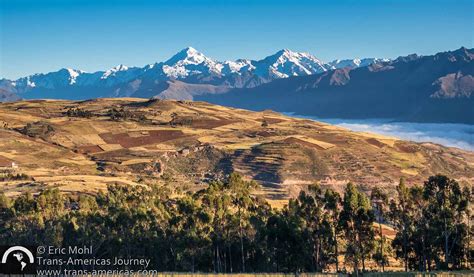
(435, 88)
(188, 66)
(414, 88)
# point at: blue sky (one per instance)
(42, 36)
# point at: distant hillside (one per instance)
(85, 145)
(437, 88)
(7, 96)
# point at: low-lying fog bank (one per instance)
(448, 134)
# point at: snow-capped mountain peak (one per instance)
(238, 66)
(285, 63)
(70, 74)
(189, 61)
(291, 55)
(188, 55)
(188, 65)
(114, 70)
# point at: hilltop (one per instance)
(81, 146)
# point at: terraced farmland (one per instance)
(83, 146)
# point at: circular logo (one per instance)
(16, 259)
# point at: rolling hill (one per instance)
(81, 146)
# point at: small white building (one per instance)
(7, 164)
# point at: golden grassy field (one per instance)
(184, 144)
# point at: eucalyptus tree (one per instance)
(288, 240)
(380, 202)
(227, 228)
(447, 209)
(400, 214)
(192, 227)
(242, 199)
(356, 219)
(332, 205)
(311, 208)
(218, 202)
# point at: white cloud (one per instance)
(448, 134)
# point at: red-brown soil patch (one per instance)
(264, 134)
(375, 142)
(211, 123)
(407, 148)
(150, 137)
(332, 138)
(115, 156)
(89, 149)
(5, 162)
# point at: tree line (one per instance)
(227, 228)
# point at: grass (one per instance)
(322, 144)
(408, 161)
(337, 155)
